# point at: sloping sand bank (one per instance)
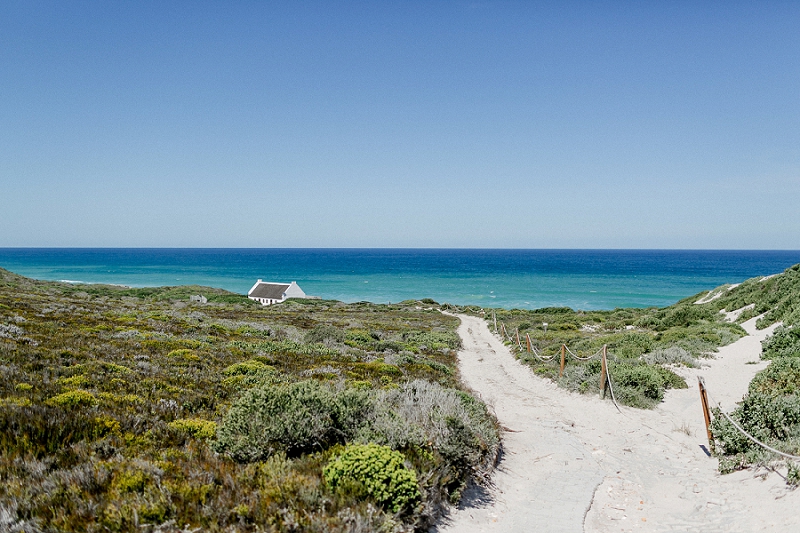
(573, 463)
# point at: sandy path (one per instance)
(573, 463)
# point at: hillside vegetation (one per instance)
(136, 410)
(645, 346)
(770, 411)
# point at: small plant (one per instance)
(196, 427)
(253, 366)
(73, 398)
(374, 471)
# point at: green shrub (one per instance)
(373, 471)
(782, 377)
(252, 366)
(670, 379)
(770, 412)
(774, 420)
(684, 316)
(73, 398)
(324, 332)
(637, 385)
(631, 344)
(294, 418)
(430, 339)
(196, 427)
(784, 342)
(76, 381)
(421, 414)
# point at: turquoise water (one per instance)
(581, 279)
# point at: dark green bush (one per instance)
(784, 342)
(774, 420)
(631, 344)
(782, 377)
(684, 316)
(637, 384)
(293, 418)
(770, 412)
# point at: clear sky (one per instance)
(400, 124)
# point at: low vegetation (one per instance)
(644, 346)
(139, 410)
(770, 411)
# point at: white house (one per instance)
(272, 293)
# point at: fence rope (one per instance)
(610, 388)
(748, 435)
(579, 358)
(535, 352)
(546, 359)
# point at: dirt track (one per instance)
(573, 463)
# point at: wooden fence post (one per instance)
(518, 343)
(494, 317)
(528, 337)
(706, 412)
(563, 357)
(603, 369)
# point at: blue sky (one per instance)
(400, 124)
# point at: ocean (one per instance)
(527, 279)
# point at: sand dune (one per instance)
(573, 463)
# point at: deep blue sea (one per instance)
(581, 279)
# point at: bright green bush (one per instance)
(196, 427)
(73, 398)
(373, 471)
(631, 344)
(244, 368)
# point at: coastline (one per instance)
(523, 279)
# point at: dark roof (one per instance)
(273, 291)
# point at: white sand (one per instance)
(573, 463)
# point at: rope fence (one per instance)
(602, 354)
(707, 414)
(605, 379)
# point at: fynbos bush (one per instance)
(420, 413)
(373, 471)
(784, 342)
(670, 356)
(294, 418)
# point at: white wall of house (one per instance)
(294, 291)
